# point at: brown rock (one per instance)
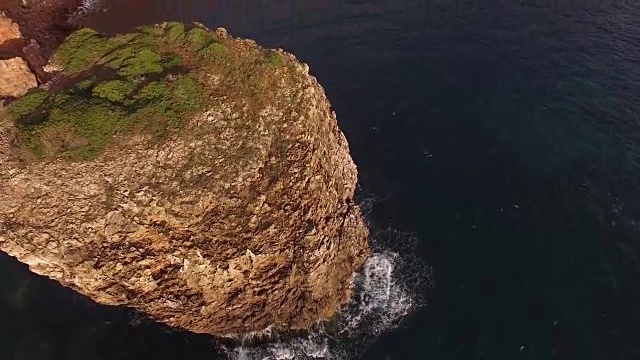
(46, 21)
(23, 27)
(244, 222)
(21, 62)
(32, 54)
(15, 77)
(8, 29)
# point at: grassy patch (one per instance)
(142, 63)
(84, 85)
(112, 86)
(115, 91)
(93, 121)
(79, 125)
(175, 31)
(27, 104)
(171, 61)
(153, 91)
(274, 58)
(198, 38)
(166, 102)
(213, 51)
(72, 127)
(150, 81)
(81, 49)
(186, 93)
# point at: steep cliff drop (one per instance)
(195, 177)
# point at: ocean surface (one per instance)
(498, 147)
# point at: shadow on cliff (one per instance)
(11, 48)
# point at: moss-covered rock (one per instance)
(148, 79)
(27, 105)
(81, 49)
(115, 91)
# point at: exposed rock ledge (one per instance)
(222, 213)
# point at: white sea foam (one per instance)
(390, 286)
(85, 8)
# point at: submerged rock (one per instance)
(195, 177)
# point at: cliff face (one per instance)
(193, 176)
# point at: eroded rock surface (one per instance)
(240, 219)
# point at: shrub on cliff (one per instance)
(79, 123)
(28, 104)
(115, 91)
(111, 86)
(150, 81)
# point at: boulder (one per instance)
(15, 76)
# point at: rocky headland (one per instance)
(198, 178)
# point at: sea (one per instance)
(498, 150)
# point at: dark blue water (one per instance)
(504, 136)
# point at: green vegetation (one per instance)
(176, 31)
(213, 51)
(153, 91)
(27, 104)
(84, 85)
(146, 82)
(274, 59)
(115, 91)
(144, 62)
(199, 38)
(131, 82)
(80, 124)
(81, 49)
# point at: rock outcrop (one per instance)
(24, 27)
(15, 75)
(46, 21)
(195, 177)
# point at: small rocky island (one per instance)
(198, 178)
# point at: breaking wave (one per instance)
(390, 285)
(86, 7)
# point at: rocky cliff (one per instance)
(196, 177)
